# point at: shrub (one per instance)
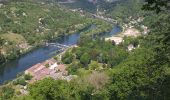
(47, 65)
(20, 81)
(7, 93)
(27, 77)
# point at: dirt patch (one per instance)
(131, 32)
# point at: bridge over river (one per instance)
(10, 70)
(57, 45)
(61, 47)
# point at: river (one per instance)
(10, 70)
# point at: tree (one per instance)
(6, 93)
(138, 77)
(157, 5)
(73, 67)
(93, 65)
(49, 89)
(21, 81)
(67, 58)
(27, 77)
(78, 53)
(85, 59)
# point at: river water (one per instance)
(10, 70)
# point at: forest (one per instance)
(106, 71)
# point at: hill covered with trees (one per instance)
(106, 71)
(27, 24)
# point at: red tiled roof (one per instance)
(43, 73)
(39, 68)
(39, 76)
(50, 61)
(31, 69)
(39, 71)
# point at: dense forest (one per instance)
(106, 71)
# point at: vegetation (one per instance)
(6, 93)
(106, 71)
(27, 77)
(27, 24)
(139, 75)
(125, 9)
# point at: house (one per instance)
(42, 74)
(48, 68)
(32, 70)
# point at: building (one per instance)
(48, 68)
(32, 70)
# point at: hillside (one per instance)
(37, 23)
(137, 67)
(120, 10)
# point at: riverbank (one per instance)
(128, 32)
(10, 70)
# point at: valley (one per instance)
(84, 50)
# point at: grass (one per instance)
(16, 38)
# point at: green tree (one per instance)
(67, 58)
(27, 77)
(138, 77)
(93, 65)
(6, 93)
(157, 5)
(49, 89)
(85, 59)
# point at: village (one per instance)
(49, 68)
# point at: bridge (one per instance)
(58, 45)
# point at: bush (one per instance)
(85, 59)
(27, 77)
(20, 81)
(7, 92)
(47, 65)
(15, 82)
(67, 58)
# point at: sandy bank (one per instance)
(132, 32)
